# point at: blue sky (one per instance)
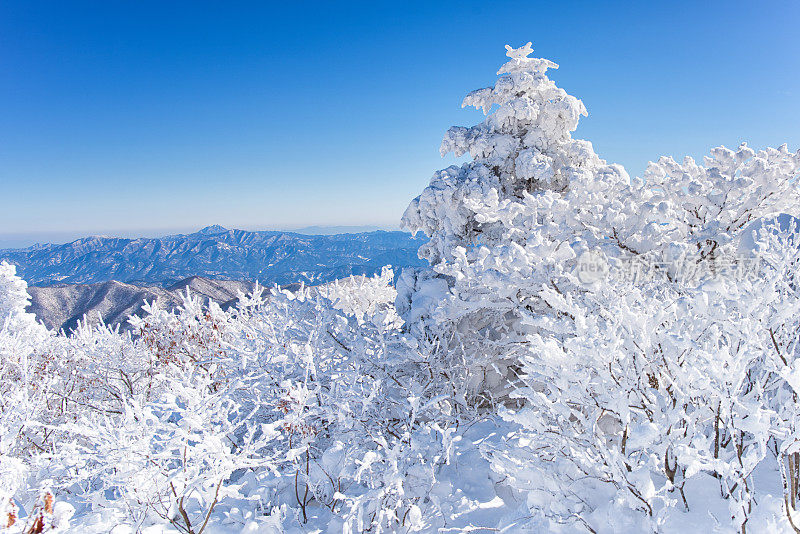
(144, 117)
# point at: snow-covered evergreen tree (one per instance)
(518, 212)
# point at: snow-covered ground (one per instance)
(382, 457)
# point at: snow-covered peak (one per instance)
(214, 229)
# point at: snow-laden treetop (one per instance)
(531, 118)
(523, 146)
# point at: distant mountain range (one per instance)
(60, 307)
(270, 257)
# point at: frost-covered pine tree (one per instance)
(485, 221)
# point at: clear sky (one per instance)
(142, 117)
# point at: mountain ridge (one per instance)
(61, 307)
(215, 252)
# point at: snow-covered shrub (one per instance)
(658, 387)
(24, 384)
(171, 457)
(358, 412)
(167, 429)
(283, 405)
(368, 298)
